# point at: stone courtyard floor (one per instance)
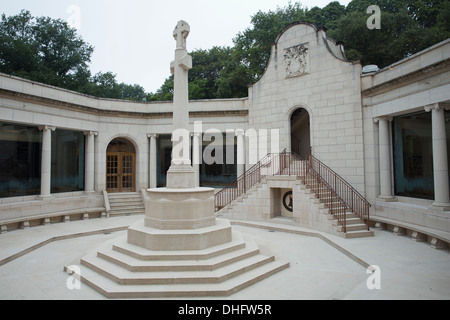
(322, 266)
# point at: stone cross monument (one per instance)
(181, 205)
(176, 249)
(181, 173)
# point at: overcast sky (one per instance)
(133, 38)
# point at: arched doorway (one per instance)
(120, 166)
(300, 132)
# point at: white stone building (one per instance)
(386, 132)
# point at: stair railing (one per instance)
(269, 165)
(351, 197)
(336, 194)
(322, 190)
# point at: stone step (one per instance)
(111, 289)
(358, 234)
(128, 203)
(349, 221)
(118, 269)
(125, 200)
(353, 227)
(122, 245)
(135, 265)
(126, 212)
(126, 277)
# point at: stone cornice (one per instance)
(111, 113)
(406, 79)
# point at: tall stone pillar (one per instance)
(240, 152)
(182, 205)
(181, 174)
(90, 162)
(385, 158)
(46, 160)
(440, 161)
(152, 167)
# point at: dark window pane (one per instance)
(67, 161)
(20, 160)
(413, 156)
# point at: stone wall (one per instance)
(303, 72)
(404, 87)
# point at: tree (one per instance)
(203, 77)
(252, 47)
(43, 49)
(49, 51)
(407, 27)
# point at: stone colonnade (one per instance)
(440, 161)
(90, 159)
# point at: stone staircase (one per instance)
(118, 269)
(356, 228)
(125, 204)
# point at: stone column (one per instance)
(90, 161)
(46, 160)
(385, 158)
(152, 167)
(240, 152)
(440, 161)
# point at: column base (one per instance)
(387, 198)
(439, 206)
(180, 177)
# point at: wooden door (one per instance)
(120, 167)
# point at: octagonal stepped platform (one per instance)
(118, 269)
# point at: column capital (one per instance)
(42, 128)
(90, 133)
(153, 135)
(196, 134)
(240, 132)
(387, 118)
(437, 106)
(433, 106)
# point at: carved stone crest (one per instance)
(296, 60)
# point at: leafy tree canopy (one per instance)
(49, 51)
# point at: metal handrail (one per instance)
(351, 197)
(321, 188)
(250, 178)
(291, 164)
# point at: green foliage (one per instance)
(49, 51)
(43, 50)
(407, 27)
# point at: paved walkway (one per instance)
(322, 266)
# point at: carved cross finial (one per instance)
(180, 34)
